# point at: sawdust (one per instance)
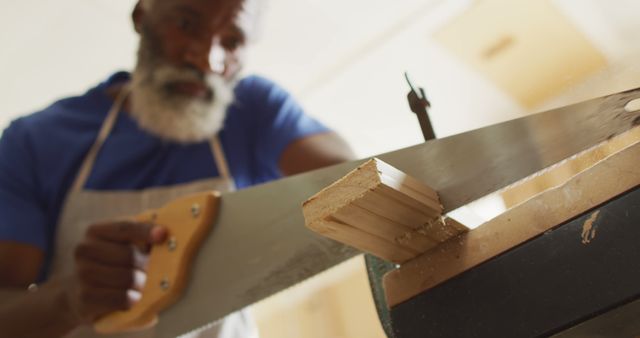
(589, 228)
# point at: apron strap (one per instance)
(105, 130)
(220, 159)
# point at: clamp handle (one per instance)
(420, 105)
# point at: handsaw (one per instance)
(259, 245)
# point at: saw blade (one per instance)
(259, 244)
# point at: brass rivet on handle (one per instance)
(172, 243)
(195, 210)
(33, 287)
(164, 284)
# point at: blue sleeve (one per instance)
(282, 121)
(21, 213)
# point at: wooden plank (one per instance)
(409, 198)
(368, 221)
(345, 233)
(392, 208)
(604, 180)
(400, 181)
(377, 204)
(557, 174)
(441, 229)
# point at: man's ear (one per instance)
(137, 15)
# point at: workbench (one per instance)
(557, 284)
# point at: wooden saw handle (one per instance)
(188, 220)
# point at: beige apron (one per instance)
(85, 207)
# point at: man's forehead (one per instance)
(217, 10)
(207, 3)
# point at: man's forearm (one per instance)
(44, 313)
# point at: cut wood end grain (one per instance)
(342, 192)
(381, 210)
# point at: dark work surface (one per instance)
(376, 269)
(619, 322)
(540, 288)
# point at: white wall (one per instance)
(343, 59)
(52, 49)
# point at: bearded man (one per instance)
(182, 122)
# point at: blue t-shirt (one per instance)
(40, 154)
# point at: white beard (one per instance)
(174, 117)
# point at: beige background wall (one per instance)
(335, 304)
(343, 59)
